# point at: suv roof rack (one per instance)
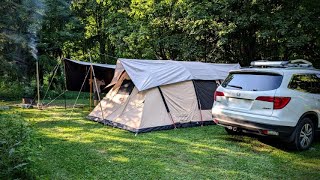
(282, 64)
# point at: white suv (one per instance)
(279, 99)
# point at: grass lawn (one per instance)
(71, 147)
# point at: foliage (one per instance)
(17, 90)
(15, 147)
(226, 31)
(212, 31)
(10, 90)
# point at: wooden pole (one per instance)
(65, 82)
(38, 84)
(90, 87)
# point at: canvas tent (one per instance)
(76, 72)
(160, 94)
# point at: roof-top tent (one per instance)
(76, 72)
(160, 94)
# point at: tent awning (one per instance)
(75, 73)
(147, 74)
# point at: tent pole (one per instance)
(51, 79)
(198, 101)
(96, 86)
(167, 107)
(38, 83)
(55, 98)
(85, 78)
(97, 90)
(65, 83)
(90, 89)
(200, 114)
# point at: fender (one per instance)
(291, 138)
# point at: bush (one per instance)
(10, 90)
(15, 147)
(15, 90)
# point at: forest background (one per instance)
(217, 31)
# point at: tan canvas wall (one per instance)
(146, 109)
(206, 115)
(132, 111)
(182, 101)
(112, 103)
(117, 74)
(154, 111)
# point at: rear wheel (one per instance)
(304, 134)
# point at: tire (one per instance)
(304, 134)
(232, 132)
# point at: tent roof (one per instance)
(147, 74)
(94, 64)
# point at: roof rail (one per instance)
(281, 64)
(265, 63)
(300, 63)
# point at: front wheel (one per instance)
(304, 134)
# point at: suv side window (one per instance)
(306, 83)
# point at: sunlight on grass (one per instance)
(120, 159)
(74, 148)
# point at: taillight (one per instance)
(265, 98)
(269, 132)
(218, 93)
(278, 102)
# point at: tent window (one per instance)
(204, 91)
(126, 87)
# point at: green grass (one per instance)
(71, 147)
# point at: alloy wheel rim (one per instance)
(306, 135)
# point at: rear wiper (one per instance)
(234, 86)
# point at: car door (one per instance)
(316, 96)
(307, 87)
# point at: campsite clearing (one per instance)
(71, 147)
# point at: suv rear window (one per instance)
(253, 81)
(306, 83)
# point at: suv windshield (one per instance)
(252, 81)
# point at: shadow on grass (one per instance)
(75, 148)
(98, 151)
(273, 142)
